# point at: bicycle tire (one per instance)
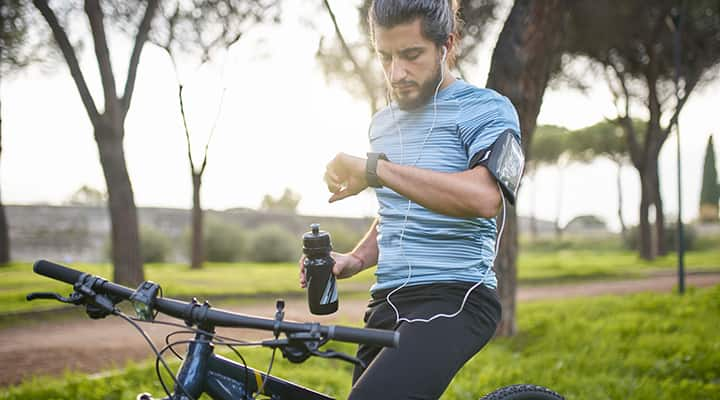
(523, 392)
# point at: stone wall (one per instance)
(81, 234)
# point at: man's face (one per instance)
(410, 61)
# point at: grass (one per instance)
(642, 347)
(219, 280)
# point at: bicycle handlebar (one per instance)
(217, 317)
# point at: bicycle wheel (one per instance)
(523, 392)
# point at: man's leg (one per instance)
(429, 354)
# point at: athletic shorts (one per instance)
(431, 353)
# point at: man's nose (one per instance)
(397, 71)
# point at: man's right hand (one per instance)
(346, 265)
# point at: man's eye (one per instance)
(412, 56)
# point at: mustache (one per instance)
(402, 84)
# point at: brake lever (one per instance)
(340, 356)
(75, 298)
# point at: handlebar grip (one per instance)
(56, 271)
(377, 337)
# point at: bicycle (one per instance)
(204, 372)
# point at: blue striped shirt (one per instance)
(438, 247)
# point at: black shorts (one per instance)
(430, 354)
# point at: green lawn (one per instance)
(218, 280)
(642, 347)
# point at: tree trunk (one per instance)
(4, 232)
(623, 228)
(659, 213)
(651, 235)
(526, 53)
(198, 251)
(126, 252)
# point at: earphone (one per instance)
(398, 319)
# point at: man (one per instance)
(434, 241)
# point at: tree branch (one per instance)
(69, 54)
(360, 72)
(102, 54)
(690, 85)
(187, 131)
(140, 38)
(212, 131)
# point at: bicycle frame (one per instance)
(203, 371)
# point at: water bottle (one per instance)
(321, 285)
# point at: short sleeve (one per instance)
(484, 115)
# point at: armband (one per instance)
(505, 161)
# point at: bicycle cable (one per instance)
(157, 354)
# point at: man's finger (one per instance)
(340, 195)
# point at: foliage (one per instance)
(587, 221)
(644, 347)
(671, 240)
(604, 139)
(548, 145)
(87, 196)
(343, 238)
(224, 242)
(155, 246)
(273, 243)
(710, 192)
(287, 202)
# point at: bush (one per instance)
(223, 242)
(272, 243)
(155, 246)
(671, 240)
(343, 239)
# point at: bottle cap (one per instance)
(316, 240)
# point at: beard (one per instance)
(423, 92)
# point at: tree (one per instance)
(549, 147)
(710, 192)
(139, 20)
(13, 22)
(526, 54)
(108, 122)
(604, 139)
(287, 203)
(637, 59)
(189, 28)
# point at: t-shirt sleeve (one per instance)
(483, 117)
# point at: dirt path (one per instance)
(52, 347)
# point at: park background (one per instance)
(283, 116)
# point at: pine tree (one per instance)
(710, 192)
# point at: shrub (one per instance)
(155, 246)
(223, 242)
(272, 243)
(343, 238)
(671, 240)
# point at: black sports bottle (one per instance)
(321, 286)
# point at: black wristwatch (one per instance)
(371, 169)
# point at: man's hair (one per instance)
(439, 18)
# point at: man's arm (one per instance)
(471, 193)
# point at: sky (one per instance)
(280, 123)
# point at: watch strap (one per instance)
(371, 169)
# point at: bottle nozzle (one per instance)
(315, 229)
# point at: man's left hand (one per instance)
(345, 176)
